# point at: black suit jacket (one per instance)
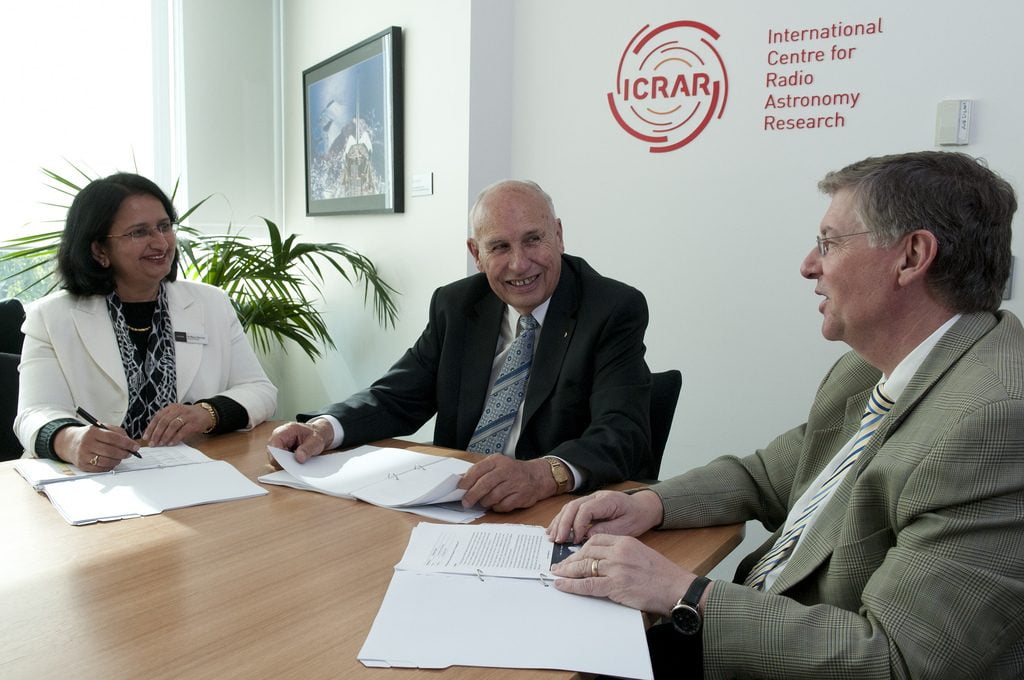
(588, 399)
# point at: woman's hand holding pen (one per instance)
(94, 448)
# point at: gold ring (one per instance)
(180, 419)
(593, 569)
(94, 460)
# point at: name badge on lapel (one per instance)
(190, 338)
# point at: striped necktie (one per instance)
(878, 406)
(507, 393)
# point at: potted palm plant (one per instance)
(268, 282)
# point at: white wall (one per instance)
(416, 251)
(713, 233)
(232, 126)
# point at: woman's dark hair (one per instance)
(89, 219)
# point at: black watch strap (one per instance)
(686, 616)
(696, 589)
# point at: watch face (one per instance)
(686, 619)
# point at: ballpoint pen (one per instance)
(91, 419)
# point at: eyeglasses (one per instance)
(140, 234)
(825, 243)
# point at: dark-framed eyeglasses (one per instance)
(140, 234)
(824, 243)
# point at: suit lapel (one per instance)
(821, 444)
(821, 538)
(92, 323)
(186, 316)
(555, 337)
(483, 320)
(953, 345)
(823, 535)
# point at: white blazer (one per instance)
(70, 359)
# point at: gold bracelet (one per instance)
(213, 415)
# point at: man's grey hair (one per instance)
(521, 184)
(967, 206)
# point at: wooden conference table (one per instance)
(280, 586)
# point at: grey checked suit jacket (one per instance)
(915, 569)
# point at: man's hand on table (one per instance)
(626, 571)
(305, 439)
(606, 512)
(502, 484)
(617, 566)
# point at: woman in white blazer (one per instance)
(127, 345)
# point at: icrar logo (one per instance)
(670, 85)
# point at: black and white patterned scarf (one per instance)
(153, 384)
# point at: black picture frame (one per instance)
(352, 113)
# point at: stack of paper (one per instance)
(165, 478)
(482, 596)
(391, 478)
(41, 471)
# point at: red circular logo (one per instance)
(670, 84)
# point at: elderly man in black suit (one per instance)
(538, 359)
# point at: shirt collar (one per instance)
(512, 317)
(905, 370)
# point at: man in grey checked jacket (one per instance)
(912, 565)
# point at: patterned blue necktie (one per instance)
(507, 394)
(878, 406)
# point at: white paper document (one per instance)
(166, 477)
(102, 498)
(447, 605)
(503, 550)
(391, 478)
(40, 471)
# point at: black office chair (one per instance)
(665, 388)
(12, 314)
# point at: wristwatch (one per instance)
(561, 474)
(685, 615)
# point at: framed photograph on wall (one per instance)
(353, 119)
